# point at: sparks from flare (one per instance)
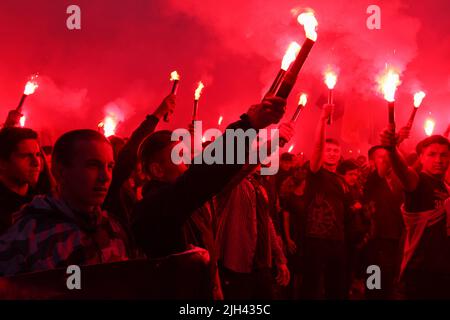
(31, 86)
(388, 84)
(290, 55)
(429, 126)
(418, 97)
(309, 22)
(303, 99)
(174, 76)
(330, 78)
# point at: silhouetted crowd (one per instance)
(311, 231)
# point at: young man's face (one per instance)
(286, 165)
(86, 180)
(435, 159)
(351, 177)
(24, 164)
(382, 161)
(165, 169)
(332, 154)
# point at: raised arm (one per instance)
(319, 143)
(407, 176)
(201, 182)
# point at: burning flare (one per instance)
(330, 79)
(174, 76)
(418, 97)
(109, 125)
(309, 22)
(303, 99)
(198, 91)
(388, 84)
(429, 127)
(291, 148)
(31, 86)
(290, 55)
(220, 120)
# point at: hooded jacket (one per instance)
(47, 234)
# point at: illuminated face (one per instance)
(165, 169)
(332, 154)
(286, 165)
(382, 161)
(351, 177)
(85, 182)
(435, 159)
(24, 164)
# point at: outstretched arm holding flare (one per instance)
(319, 145)
(128, 159)
(407, 176)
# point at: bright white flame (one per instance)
(303, 99)
(220, 120)
(174, 76)
(203, 139)
(290, 55)
(429, 127)
(330, 79)
(109, 125)
(198, 91)
(309, 22)
(388, 84)
(22, 121)
(418, 97)
(291, 148)
(31, 86)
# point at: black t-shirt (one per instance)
(295, 206)
(326, 205)
(433, 251)
(386, 221)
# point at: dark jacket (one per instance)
(118, 201)
(47, 234)
(160, 218)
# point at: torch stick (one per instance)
(330, 101)
(197, 94)
(291, 76)
(412, 117)
(30, 88)
(21, 102)
(276, 82)
(309, 23)
(194, 114)
(418, 97)
(391, 106)
(301, 105)
(174, 76)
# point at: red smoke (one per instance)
(126, 49)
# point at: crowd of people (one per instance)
(308, 232)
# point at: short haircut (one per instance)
(64, 149)
(10, 137)
(333, 141)
(152, 146)
(374, 149)
(436, 139)
(286, 156)
(346, 166)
